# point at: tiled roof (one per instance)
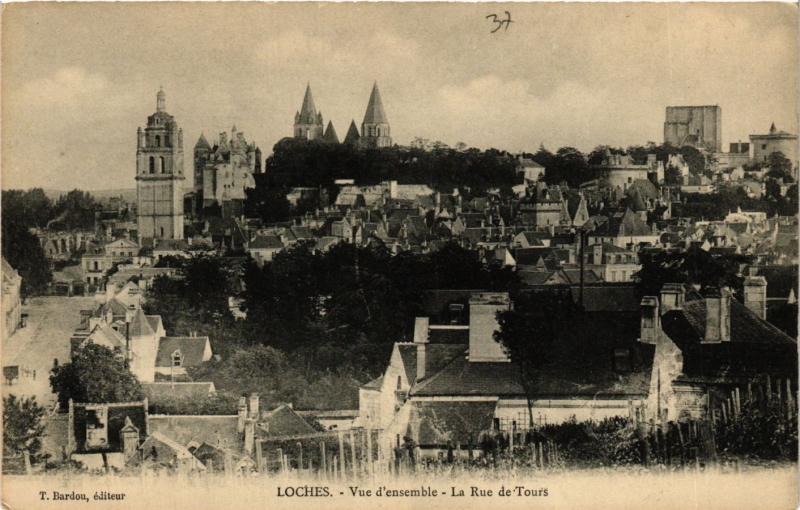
(374, 384)
(265, 242)
(436, 357)
(140, 325)
(192, 348)
(158, 392)
(687, 325)
(283, 421)
(202, 429)
(756, 347)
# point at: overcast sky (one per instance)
(79, 79)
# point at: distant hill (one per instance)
(129, 194)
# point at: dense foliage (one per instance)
(23, 252)
(693, 266)
(23, 428)
(318, 324)
(94, 374)
(302, 163)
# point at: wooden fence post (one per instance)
(300, 456)
(323, 459)
(280, 459)
(258, 456)
(370, 466)
(353, 454)
(27, 459)
(342, 460)
(769, 389)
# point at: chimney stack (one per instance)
(253, 406)
(650, 320)
(483, 308)
(597, 254)
(755, 295)
(673, 296)
(718, 316)
(421, 341)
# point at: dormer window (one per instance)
(177, 359)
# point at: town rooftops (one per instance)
(265, 242)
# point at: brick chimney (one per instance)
(650, 321)
(718, 316)
(483, 308)
(673, 296)
(755, 295)
(421, 341)
(253, 406)
(597, 254)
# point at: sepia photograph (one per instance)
(329, 255)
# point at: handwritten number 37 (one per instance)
(501, 23)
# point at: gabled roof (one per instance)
(192, 349)
(375, 113)
(103, 334)
(436, 357)
(756, 347)
(374, 384)
(265, 242)
(283, 421)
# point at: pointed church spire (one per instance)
(352, 134)
(202, 143)
(308, 107)
(375, 113)
(330, 135)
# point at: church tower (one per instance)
(159, 176)
(375, 131)
(308, 122)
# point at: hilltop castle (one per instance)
(375, 130)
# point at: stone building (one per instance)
(708, 344)
(375, 129)
(697, 126)
(159, 175)
(774, 141)
(12, 302)
(223, 172)
(620, 171)
(308, 121)
(375, 132)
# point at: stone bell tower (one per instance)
(159, 176)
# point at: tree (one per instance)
(695, 159)
(75, 210)
(23, 428)
(672, 176)
(780, 167)
(23, 252)
(95, 374)
(528, 334)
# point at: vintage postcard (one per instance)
(399, 255)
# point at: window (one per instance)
(152, 165)
(622, 360)
(162, 231)
(166, 140)
(763, 146)
(177, 358)
(161, 166)
(399, 382)
(158, 140)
